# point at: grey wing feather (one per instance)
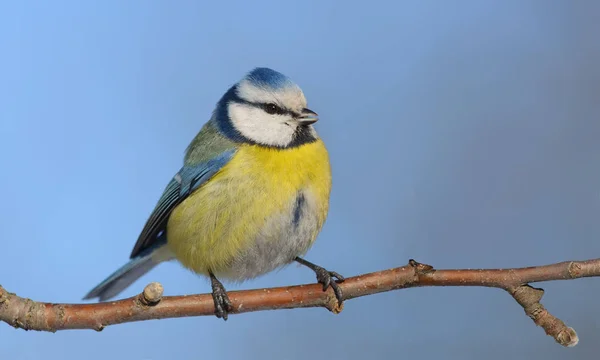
(157, 221)
(188, 179)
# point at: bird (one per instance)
(251, 196)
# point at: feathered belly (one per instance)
(258, 213)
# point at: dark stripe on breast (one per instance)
(300, 200)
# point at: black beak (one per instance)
(308, 117)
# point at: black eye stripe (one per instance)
(270, 108)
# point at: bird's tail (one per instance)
(130, 272)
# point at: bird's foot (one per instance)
(219, 295)
(326, 278)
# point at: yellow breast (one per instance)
(217, 223)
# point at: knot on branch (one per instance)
(420, 269)
(152, 294)
(22, 313)
(574, 269)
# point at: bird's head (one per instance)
(266, 108)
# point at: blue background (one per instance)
(462, 134)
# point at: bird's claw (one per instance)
(326, 278)
(330, 279)
(222, 303)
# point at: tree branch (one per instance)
(150, 304)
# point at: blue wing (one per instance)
(188, 179)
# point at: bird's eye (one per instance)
(272, 108)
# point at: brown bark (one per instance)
(150, 304)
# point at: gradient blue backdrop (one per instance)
(462, 134)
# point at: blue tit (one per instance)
(251, 197)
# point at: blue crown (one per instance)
(265, 77)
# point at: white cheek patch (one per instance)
(255, 124)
